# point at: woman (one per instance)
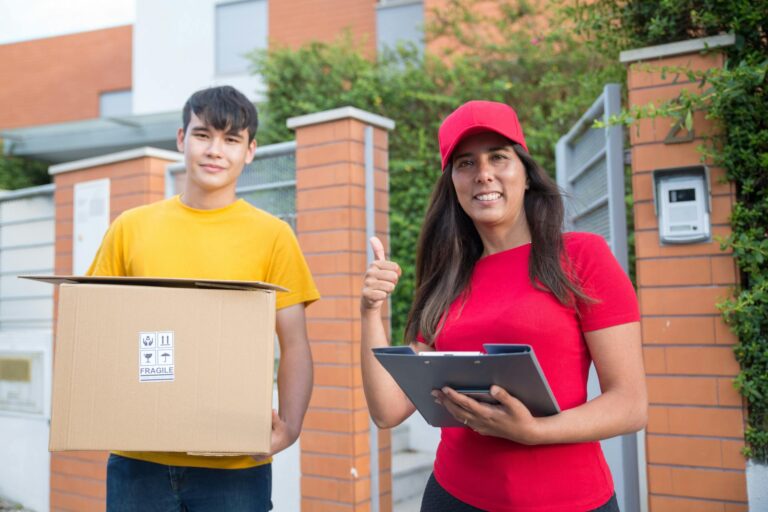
(493, 266)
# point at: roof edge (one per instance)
(121, 156)
(341, 113)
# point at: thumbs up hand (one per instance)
(380, 278)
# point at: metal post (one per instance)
(370, 231)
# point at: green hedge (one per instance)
(545, 71)
(18, 173)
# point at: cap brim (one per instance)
(473, 130)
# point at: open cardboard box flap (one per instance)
(166, 282)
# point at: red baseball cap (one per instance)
(475, 117)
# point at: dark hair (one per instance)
(449, 247)
(223, 108)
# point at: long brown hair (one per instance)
(449, 247)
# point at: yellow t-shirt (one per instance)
(238, 242)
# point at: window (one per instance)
(241, 27)
(115, 103)
(399, 20)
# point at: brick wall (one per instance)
(300, 21)
(330, 205)
(489, 9)
(78, 478)
(59, 79)
(696, 424)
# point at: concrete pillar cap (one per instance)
(678, 48)
(337, 114)
(121, 156)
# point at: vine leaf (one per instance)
(679, 126)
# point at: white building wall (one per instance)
(24, 459)
(174, 55)
(36, 19)
(27, 237)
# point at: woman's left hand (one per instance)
(510, 419)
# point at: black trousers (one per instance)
(437, 499)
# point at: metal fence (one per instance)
(269, 182)
(590, 170)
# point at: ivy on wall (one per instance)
(736, 97)
(741, 103)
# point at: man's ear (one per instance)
(180, 140)
(251, 151)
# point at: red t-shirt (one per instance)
(503, 307)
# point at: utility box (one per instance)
(683, 204)
(177, 365)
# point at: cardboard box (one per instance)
(163, 365)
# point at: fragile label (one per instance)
(156, 356)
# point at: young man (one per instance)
(207, 232)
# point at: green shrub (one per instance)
(545, 71)
(21, 172)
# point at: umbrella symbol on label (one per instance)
(165, 356)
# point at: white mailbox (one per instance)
(682, 203)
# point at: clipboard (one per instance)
(513, 367)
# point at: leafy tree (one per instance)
(526, 55)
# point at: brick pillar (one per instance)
(330, 208)
(137, 177)
(696, 423)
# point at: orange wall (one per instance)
(300, 21)
(488, 12)
(59, 79)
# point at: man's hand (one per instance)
(282, 438)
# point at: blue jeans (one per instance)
(140, 486)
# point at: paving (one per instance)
(411, 505)
(6, 506)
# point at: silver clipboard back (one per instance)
(513, 367)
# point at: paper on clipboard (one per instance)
(512, 367)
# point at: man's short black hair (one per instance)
(223, 108)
